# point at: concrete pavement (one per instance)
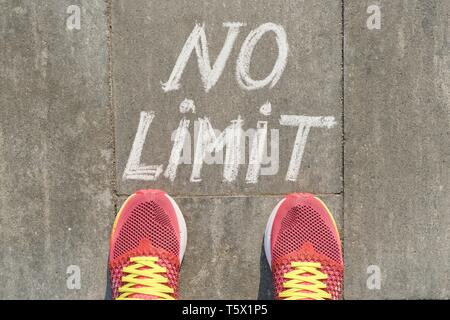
(56, 150)
(355, 113)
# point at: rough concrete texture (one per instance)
(56, 156)
(146, 47)
(69, 109)
(397, 150)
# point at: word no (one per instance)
(210, 74)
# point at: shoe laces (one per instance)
(305, 282)
(145, 277)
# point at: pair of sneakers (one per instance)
(148, 242)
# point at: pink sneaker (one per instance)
(303, 248)
(147, 245)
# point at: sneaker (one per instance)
(303, 248)
(147, 245)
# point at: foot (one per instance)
(303, 248)
(147, 245)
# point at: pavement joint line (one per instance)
(237, 195)
(111, 102)
(343, 127)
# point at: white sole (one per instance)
(182, 225)
(268, 232)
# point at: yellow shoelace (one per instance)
(300, 286)
(145, 273)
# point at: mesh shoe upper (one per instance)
(146, 226)
(304, 230)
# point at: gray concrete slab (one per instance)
(397, 149)
(147, 38)
(224, 257)
(66, 137)
(55, 149)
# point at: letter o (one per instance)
(245, 55)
